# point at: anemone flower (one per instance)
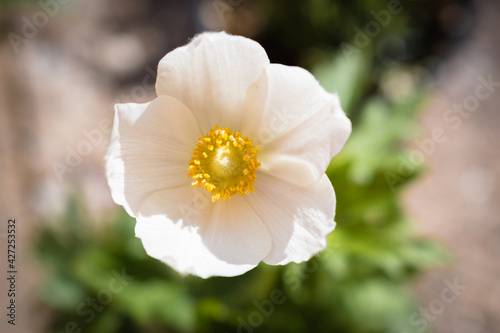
(226, 167)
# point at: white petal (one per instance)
(151, 145)
(289, 114)
(298, 218)
(184, 229)
(211, 75)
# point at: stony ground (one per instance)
(458, 199)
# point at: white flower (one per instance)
(219, 100)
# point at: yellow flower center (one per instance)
(225, 163)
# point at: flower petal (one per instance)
(211, 75)
(299, 219)
(184, 229)
(151, 145)
(296, 123)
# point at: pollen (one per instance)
(225, 163)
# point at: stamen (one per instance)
(225, 163)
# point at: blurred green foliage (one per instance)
(359, 284)
(408, 30)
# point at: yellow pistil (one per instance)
(225, 163)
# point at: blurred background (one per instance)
(418, 234)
